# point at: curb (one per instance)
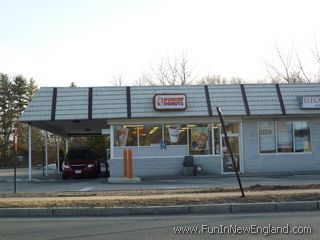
(161, 210)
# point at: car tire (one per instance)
(64, 177)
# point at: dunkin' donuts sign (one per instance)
(168, 102)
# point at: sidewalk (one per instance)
(54, 182)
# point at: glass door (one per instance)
(233, 135)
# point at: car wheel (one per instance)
(64, 177)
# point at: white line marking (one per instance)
(86, 189)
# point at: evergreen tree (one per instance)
(5, 117)
(14, 97)
(32, 89)
(20, 95)
(37, 138)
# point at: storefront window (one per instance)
(290, 137)
(267, 137)
(176, 134)
(126, 136)
(200, 139)
(285, 138)
(150, 135)
(302, 136)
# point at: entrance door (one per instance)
(234, 139)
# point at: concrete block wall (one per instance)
(164, 166)
(254, 162)
(211, 164)
(145, 167)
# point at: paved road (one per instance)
(54, 183)
(159, 227)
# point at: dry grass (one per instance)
(156, 198)
(157, 192)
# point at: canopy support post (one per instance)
(30, 152)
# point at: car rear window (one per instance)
(80, 154)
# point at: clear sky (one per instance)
(91, 41)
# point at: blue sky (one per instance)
(89, 42)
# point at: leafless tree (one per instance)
(303, 76)
(218, 80)
(118, 80)
(72, 84)
(236, 80)
(316, 52)
(176, 71)
(213, 80)
(292, 69)
(185, 71)
(144, 80)
(285, 72)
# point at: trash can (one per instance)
(188, 166)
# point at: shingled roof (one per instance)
(105, 103)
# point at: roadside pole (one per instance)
(15, 149)
(58, 154)
(30, 151)
(43, 157)
(46, 152)
(230, 150)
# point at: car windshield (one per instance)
(80, 154)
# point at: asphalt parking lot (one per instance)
(54, 183)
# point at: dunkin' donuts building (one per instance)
(273, 128)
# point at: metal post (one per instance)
(30, 153)
(43, 161)
(67, 145)
(15, 149)
(58, 155)
(130, 163)
(46, 151)
(112, 141)
(15, 172)
(125, 163)
(230, 150)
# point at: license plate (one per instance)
(77, 171)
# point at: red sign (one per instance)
(170, 101)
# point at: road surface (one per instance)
(164, 227)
